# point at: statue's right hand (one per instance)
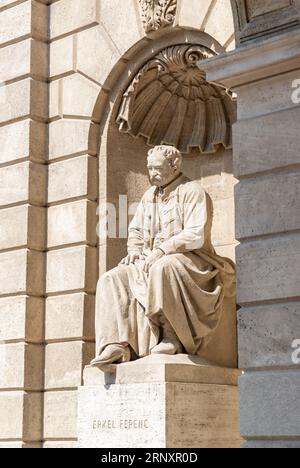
(131, 258)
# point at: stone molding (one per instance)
(255, 20)
(255, 62)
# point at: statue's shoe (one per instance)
(167, 347)
(112, 354)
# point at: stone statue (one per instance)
(167, 296)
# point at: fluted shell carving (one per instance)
(170, 102)
(157, 14)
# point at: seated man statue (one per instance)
(167, 296)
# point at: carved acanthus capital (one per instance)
(157, 14)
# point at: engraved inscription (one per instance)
(126, 424)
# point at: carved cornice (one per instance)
(170, 102)
(256, 20)
(157, 14)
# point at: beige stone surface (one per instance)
(64, 363)
(268, 269)
(266, 96)
(97, 54)
(70, 317)
(256, 196)
(60, 415)
(20, 59)
(70, 15)
(253, 152)
(23, 226)
(24, 182)
(116, 16)
(21, 366)
(190, 15)
(24, 98)
(21, 272)
(179, 368)
(76, 177)
(62, 56)
(186, 415)
(23, 140)
(21, 318)
(261, 392)
(222, 9)
(28, 18)
(72, 269)
(72, 223)
(76, 96)
(266, 334)
(69, 137)
(20, 416)
(60, 444)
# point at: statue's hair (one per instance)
(171, 153)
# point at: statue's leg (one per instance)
(122, 330)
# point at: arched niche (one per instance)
(122, 157)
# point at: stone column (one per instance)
(266, 162)
(23, 117)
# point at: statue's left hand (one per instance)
(153, 258)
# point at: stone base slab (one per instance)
(159, 402)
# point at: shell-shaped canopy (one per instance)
(170, 102)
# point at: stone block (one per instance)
(253, 151)
(71, 15)
(97, 54)
(20, 416)
(26, 98)
(64, 363)
(23, 226)
(222, 9)
(70, 137)
(28, 57)
(60, 415)
(29, 18)
(70, 317)
(266, 96)
(62, 56)
(60, 444)
(272, 444)
(190, 15)
(72, 223)
(22, 272)
(256, 196)
(78, 96)
(270, 404)
(23, 140)
(21, 366)
(266, 335)
(21, 319)
(183, 408)
(76, 177)
(268, 269)
(24, 182)
(116, 16)
(71, 269)
(223, 222)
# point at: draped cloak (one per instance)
(190, 285)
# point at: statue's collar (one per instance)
(165, 190)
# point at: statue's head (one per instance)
(164, 164)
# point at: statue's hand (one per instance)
(131, 258)
(153, 258)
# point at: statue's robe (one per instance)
(189, 285)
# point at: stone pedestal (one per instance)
(159, 402)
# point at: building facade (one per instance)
(73, 137)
